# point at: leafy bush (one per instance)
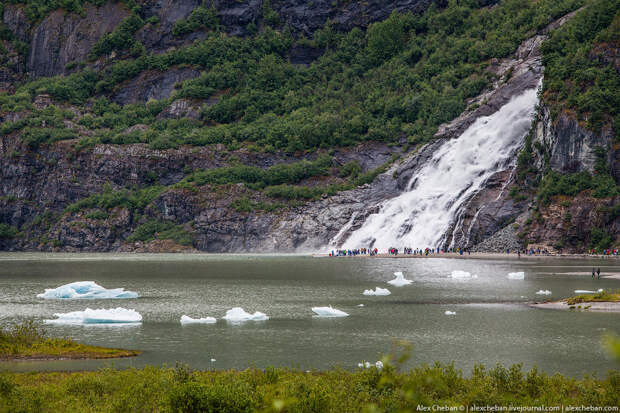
(200, 18)
(7, 231)
(121, 38)
(162, 230)
(133, 200)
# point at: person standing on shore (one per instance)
(598, 272)
(592, 272)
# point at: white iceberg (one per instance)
(188, 320)
(516, 275)
(367, 365)
(213, 360)
(400, 280)
(377, 291)
(86, 289)
(448, 312)
(600, 290)
(360, 305)
(238, 314)
(461, 275)
(328, 312)
(543, 292)
(118, 315)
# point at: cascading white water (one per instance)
(421, 216)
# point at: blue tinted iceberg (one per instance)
(86, 289)
(400, 280)
(99, 316)
(238, 314)
(206, 320)
(328, 312)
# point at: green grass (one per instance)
(603, 296)
(30, 341)
(155, 389)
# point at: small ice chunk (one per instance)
(360, 305)
(328, 312)
(188, 320)
(543, 292)
(600, 290)
(457, 274)
(238, 314)
(86, 290)
(448, 312)
(367, 365)
(400, 280)
(377, 291)
(516, 275)
(99, 316)
(213, 360)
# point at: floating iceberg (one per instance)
(238, 314)
(367, 365)
(328, 312)
(516, 275)
(86, 289)
(360, 305)
(462, 275)
(400, 280)
(213, 360)
(377, 291)
(188, 320)
(99, 316)
(448, 312)
(543, 292)
(600, 290)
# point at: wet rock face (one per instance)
(63, 38)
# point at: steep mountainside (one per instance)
(257, 125)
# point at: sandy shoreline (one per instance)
(602, 306)
(483, 255)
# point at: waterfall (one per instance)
(421, 215)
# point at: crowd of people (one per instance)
(460, 251)
(354, 252)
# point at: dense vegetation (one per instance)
(30, 340)
(580, 72)
(400, 79)
(283, 390)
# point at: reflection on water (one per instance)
(492, 321)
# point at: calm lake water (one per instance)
(492, 323)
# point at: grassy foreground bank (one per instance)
(155, 389)
(30, 341)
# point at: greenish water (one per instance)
(492, 323)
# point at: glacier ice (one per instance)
(516, 275)
(600, 290)
(238, 314)
(377, 291)
(462, 275)
(400, 280)
(448, 312)
(117, 315)
(86, 289)
(543, 292)
(188, 320)
(328, 312)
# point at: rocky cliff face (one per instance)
(37, 186)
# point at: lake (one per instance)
(492, 324)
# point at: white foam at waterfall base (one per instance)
(421, 215)
(189, 320)
(516, 275)
(328, 312)
(377, 291)
(86, 290)
(117, 315)
(400, 280)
